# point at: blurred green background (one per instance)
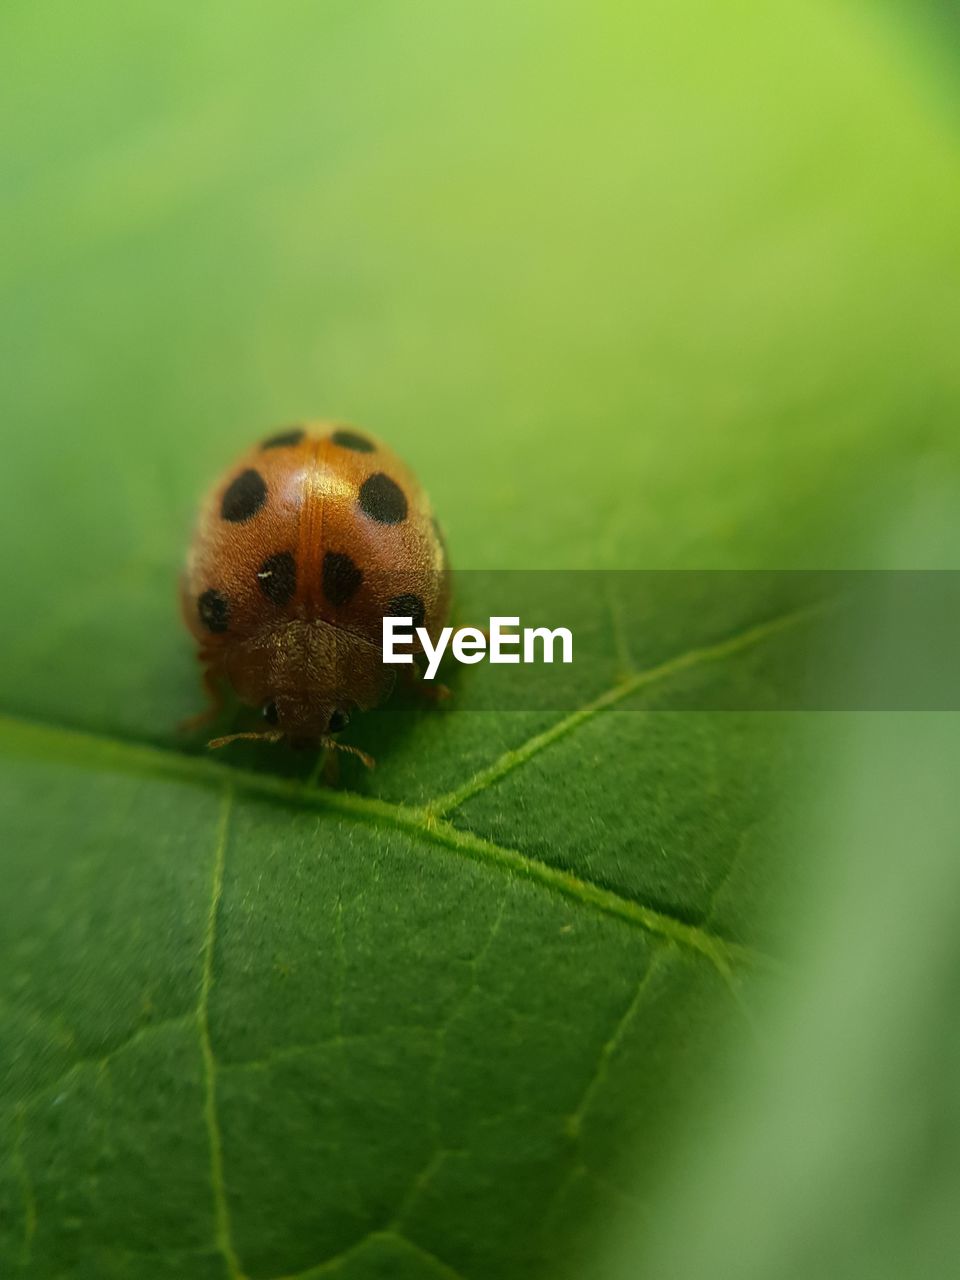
(831, 1144)
(630, 287)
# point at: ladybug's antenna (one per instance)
(269, 735)
(333, 745)
(274, 735)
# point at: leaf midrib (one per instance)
(429, 822)
(131, 757)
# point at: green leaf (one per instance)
(629, 291)
(835, 1151)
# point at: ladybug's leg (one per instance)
(326, 769)
(330, 769)
(214, 691)
(430, 690)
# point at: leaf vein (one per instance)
(338, 1040)
(609, 1046)
(691, 658)
(333, 1263)
(442, 1268)
(102, 1061)
(221, 1208)
(162, 762)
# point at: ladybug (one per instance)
(301, 548)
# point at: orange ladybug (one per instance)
(301, 549)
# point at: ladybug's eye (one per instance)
(339, 720)
(270, 712)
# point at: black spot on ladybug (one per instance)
(284, 438)
(382, 500)
(213, 610)
(341, 577)
(244, 496)
(353, 440)
(407, 606)
(277, 577)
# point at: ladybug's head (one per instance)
(306, 678)
(304, 722)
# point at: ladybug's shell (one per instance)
(314, 524)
